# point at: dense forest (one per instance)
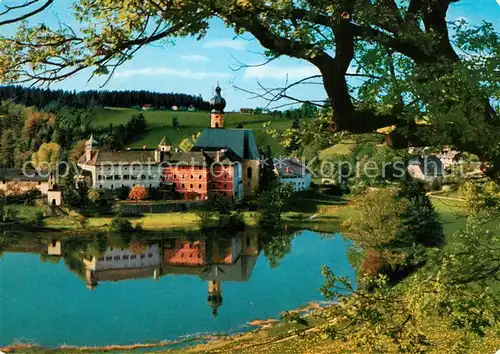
(47, 98)
(25, 131)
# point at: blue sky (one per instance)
(193, 67)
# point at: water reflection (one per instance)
(53, 287)
(214, 258)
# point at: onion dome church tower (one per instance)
(217, 105)
(214, 295)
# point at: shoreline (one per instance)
(191, 341)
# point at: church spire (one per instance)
(214, 295)
(217, 105)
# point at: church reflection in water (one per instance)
(213, 259)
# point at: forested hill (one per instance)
(46, 98)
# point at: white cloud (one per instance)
(226, 43)
(195, 58)
(163, 71)
(279, 72)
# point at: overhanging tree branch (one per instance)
(22, 17)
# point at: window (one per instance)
(117, 177)
(133, 177)
(133, 256)
(175, 176)
(143, 178)
(109, 258)
(125, 257)
(151, 177)
(249, 172)
(192, 177)
(112, 186)
(199, 177)
(126, 177)
(199, 186)
(183, 176)
(190, 186)
(150, 255)
(116, 258)
(143, 256)
(183, 186)
(100, 186)
(225, 185)
(109, 178)
(100, 259)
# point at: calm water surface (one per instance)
(169, 289)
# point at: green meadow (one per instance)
(160, 124)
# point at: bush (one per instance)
(333, 190)
(31, 216)
(138, 193)
(193, 196)
(117, 209)
(122, 193)
(436, 184)
(392, 229)
(121, 225)
(10, 213)
(235, 221)
(271, 204)
(373, 264)
(421, 225)
(94, 195)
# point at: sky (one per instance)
(194, 67)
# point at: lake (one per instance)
(101, 291)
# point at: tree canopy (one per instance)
(436, 82)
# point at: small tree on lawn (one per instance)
(175, 122)
(271, 204)
(138, 193)
(220, 205)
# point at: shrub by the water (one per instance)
(121, 225)
(393, 229)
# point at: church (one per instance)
(222, 161)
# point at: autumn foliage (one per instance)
(138, 193)
(47, 156)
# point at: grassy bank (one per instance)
(307, 210)
(152, 222)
